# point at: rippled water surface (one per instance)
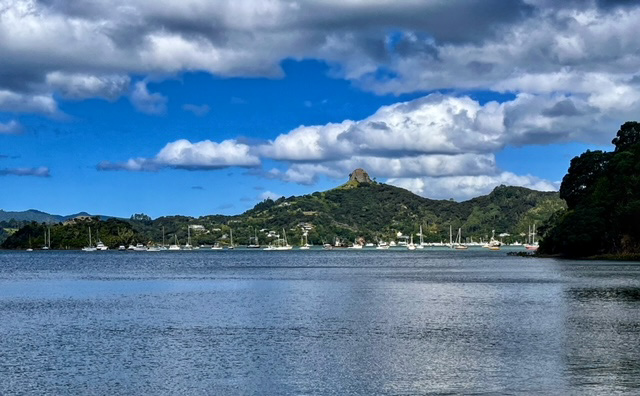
(316, 322)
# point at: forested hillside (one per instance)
(357, 209)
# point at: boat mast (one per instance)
(533, 235)
(450, 236)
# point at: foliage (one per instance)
(602, 190)
(73, 234)
(370, 211)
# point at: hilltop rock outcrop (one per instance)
(359, 175)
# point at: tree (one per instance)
(602, 190)
(628, 135)
(582, 175)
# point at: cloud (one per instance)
(42, 171)
(146, 102)
(197, 188)
(82, 86)
(466, 187)
(12, 127)
(381, 45)
(439, 146)
(441, 138)
(269, 195)
(570, 68)
(26, 103)
(199, 110)
(182, 154)
(440, 125)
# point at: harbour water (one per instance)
(316, 322)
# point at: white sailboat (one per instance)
(163, 247)
(450, 237)
(188, 246)
(421, 244)
(47, 240)
(89, 248)
(304, 242)
(281, 244)
(459, 245)
(175, 245)
(533, 244)
(253, 241)
(231, 246)
(410, 245)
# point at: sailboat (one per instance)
(163, 247)
(532, 245)
(231, 236)
(253, 241)
(47, 241)
(281, 244)
(30, 249)
(421, 244)
(175, 245)
(188, 245)
(450, 237)
(459, 245)
(304, 242)
(411, 246)
(89, 248)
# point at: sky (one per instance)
(197, 107)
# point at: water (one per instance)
(316, 322)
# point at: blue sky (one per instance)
(444, 115)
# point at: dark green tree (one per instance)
(602, 190)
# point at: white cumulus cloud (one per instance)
(465, 187)
(183, 154)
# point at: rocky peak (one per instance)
(359, 175)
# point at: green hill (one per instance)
(360, 208)
(375, 210)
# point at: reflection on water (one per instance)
(316, 323)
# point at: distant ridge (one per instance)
(42, 217)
